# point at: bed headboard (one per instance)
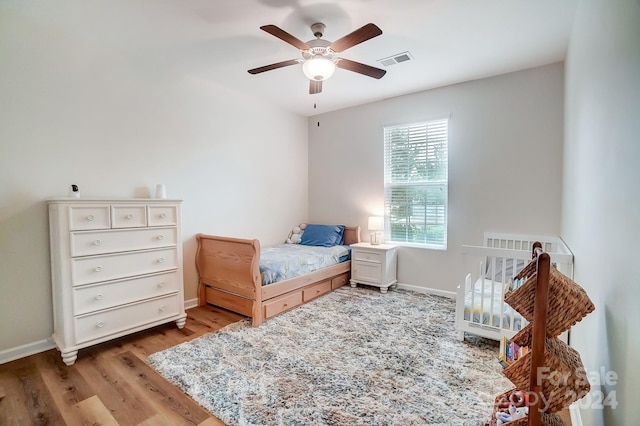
(351, 235)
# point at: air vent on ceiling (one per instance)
(396, 59)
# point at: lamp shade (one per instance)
(376, 223)
(318, 68)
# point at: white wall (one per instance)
(72, 111)
(601, 202)
(505, 136)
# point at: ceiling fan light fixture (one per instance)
(318, 68)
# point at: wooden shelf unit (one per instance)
(552, 303)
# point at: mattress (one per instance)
(483, 301)
(284, 261)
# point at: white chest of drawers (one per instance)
(374, 265)
(116, 268)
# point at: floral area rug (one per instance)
(352, 357)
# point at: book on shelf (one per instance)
(510, 352)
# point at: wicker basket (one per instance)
(547, 419)
(523, 337)
(564, 380)
(527, 271)
(568, 302)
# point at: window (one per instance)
(416, 183)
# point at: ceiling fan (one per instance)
(319, 56)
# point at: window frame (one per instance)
(431, 144)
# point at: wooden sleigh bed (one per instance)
(230, 278)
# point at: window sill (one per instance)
(418, 246)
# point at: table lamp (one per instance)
(376, 224)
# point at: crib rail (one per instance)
(483, 296)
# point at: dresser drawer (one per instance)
(282, 303)
(104, 323)
(94, 297)
(369, 256)
(89, 217)
(128, 216)
(163, 215)
(87, 243)
(94, 269)
(367, 271)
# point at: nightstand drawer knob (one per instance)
(129, 216)
(161, 237)
(97, 242)
(91, 217)
(161, 284)
(162, 308)
(98, 268)
(99, 297)
(163, 215)
(100, 324)
(161, 260)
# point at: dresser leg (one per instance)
(383, 290)
(353, 284)
(69, 357)
(181, 321)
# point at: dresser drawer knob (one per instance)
(99, 297)
(163, 215)
(162, 308)
(97, 242)
(91, 217)
(161, 284)
(100, 324)
(161, 237)
(129, 216)
(98, 268)
(161, 260)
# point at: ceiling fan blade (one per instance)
(285, 36)
(361, 68)
(365, 33)
(315, 87)
(273, 66)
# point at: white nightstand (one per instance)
(374, 265)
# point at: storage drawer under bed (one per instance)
(339, 281)
(282, 303)
(316, 290)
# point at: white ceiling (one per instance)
(451, 41)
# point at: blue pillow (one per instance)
(323, 235)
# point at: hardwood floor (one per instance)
(110, 383)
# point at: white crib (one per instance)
(480, 306)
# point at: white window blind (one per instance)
(416, 183)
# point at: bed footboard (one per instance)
(230, 274)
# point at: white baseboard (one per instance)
(18, 352)
(420, 289)
(574, 413)
(23, 351)
(191, 303)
